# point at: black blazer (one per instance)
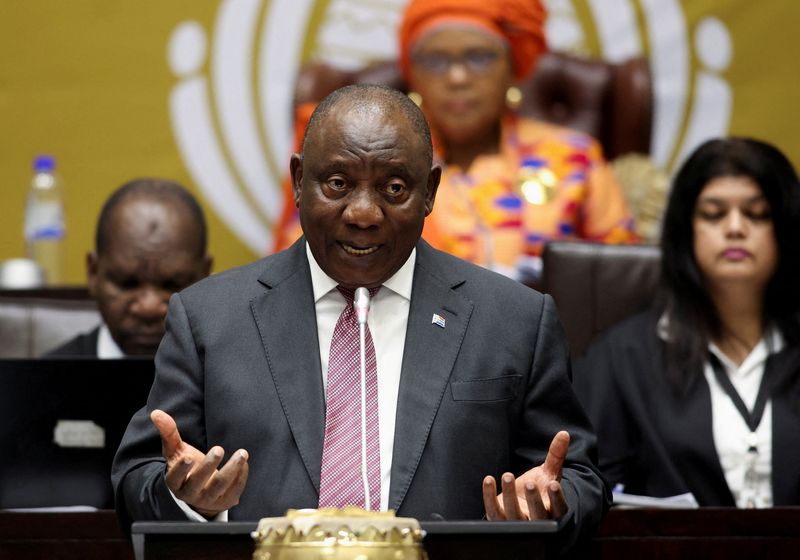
(83, 345)
(239, 367)
(659, 444)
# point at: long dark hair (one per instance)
(693, 319)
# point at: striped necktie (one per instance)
(340, 480)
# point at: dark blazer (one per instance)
(239, 367)
(660, 444)
(83, 345)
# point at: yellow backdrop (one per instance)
(90, 81)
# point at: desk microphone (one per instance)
(361, 306)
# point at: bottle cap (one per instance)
(44, 163)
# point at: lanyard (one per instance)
(753, 419)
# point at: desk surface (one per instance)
(430, 527)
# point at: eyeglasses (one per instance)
(476, 61)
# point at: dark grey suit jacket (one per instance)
(659, 443)
(239, 367)
(83, 345)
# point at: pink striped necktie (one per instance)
(340, 480)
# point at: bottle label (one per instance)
(44, 220)
(51, 232)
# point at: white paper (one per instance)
(681, 501)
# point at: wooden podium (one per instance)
(465, 540)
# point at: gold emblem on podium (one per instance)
(338, 534)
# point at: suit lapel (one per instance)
(428, 358)
(287, 324)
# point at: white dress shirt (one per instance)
(732, 436)
(387, 320)
(107, 348)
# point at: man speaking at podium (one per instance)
(256, 404)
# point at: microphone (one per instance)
(361, 305)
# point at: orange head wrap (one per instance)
(520, 22)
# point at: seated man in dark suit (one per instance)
(467, 372)
(150, 242)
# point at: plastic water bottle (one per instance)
(44, 219)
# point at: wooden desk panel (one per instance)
(709, 533)
(713, 533)
(63, 536)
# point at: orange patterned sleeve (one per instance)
(288, 229)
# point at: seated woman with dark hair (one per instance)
(701, 393)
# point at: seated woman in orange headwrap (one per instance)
(509, 183)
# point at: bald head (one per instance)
(150, 243)
(167, 199)
(367, 100)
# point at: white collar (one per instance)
(400, 282)
(771, 343)
(107, 348)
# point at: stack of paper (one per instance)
(682, 501)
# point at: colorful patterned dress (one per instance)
(547, 182)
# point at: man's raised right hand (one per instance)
(195, 477)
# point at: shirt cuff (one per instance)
(193, 515)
